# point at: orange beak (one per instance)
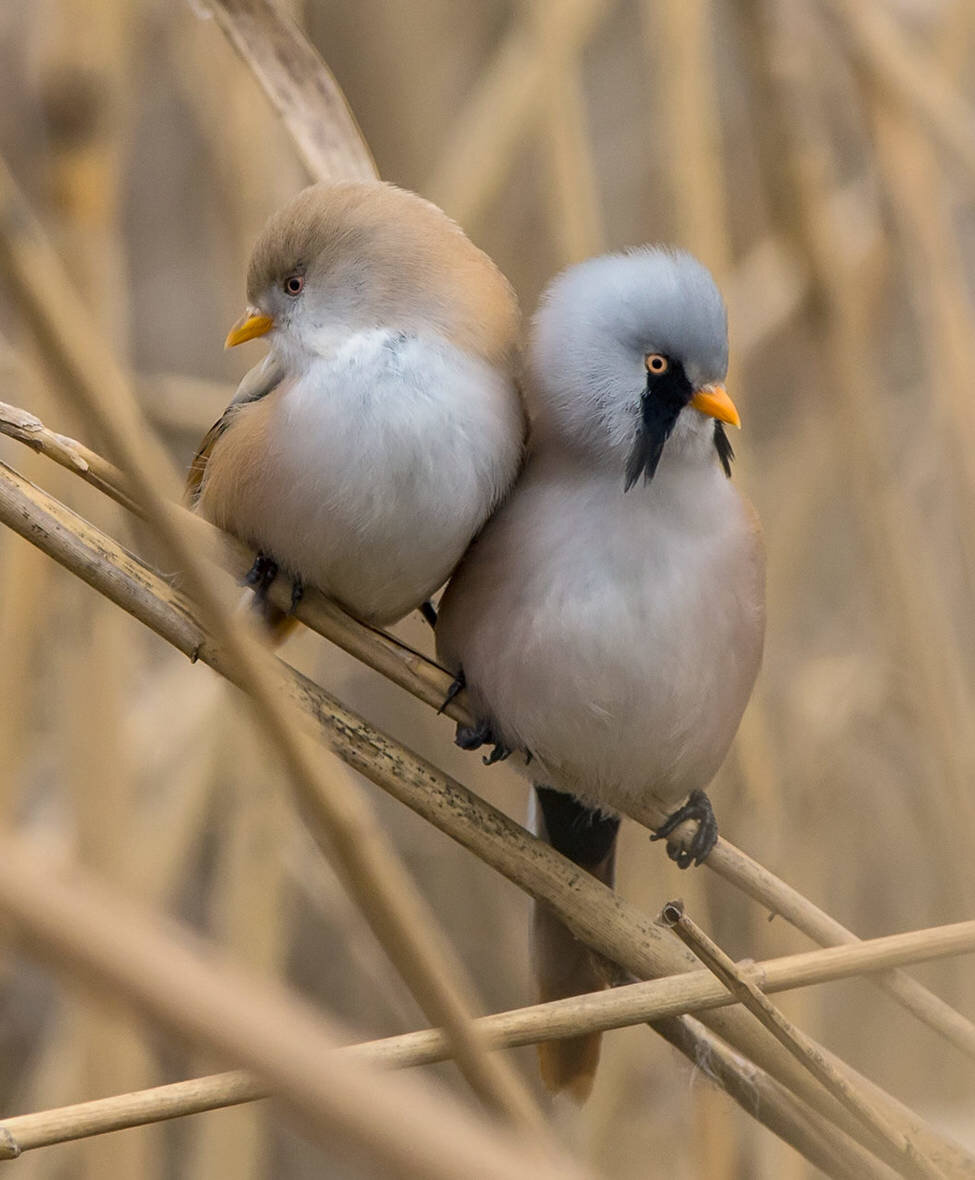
(250, 325)
(714, 401)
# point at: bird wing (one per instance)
(257, 383)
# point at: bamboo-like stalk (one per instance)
(598, 916)
(597, 1012)
(343, 821)
(896, 1147)
(163, 971)
(429, 683)
(300, 85)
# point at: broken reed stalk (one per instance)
(342, 821)
(414, 1129)
(598, 1012)
(597, 915)
(429, 683)
(895, 1147)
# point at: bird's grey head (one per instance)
(628, 353)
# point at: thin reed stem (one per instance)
(598, 1012)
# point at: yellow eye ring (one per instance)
(656, 364)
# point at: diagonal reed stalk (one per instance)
(429, 683)
(895, 1147)
(178, 980)
(598, 1012)
(87, 375)
(599, 917)
(254, 36)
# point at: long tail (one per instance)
(563, 965)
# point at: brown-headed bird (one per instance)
(609, 619)
(384, 425)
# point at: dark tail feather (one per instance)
(563, 965)
(276, 623)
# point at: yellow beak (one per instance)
(714, 401)
(250, 325)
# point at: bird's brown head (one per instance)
(359, 255)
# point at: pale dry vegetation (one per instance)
(819, 155)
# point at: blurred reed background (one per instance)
(826, 174)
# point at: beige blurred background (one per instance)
(838, 213)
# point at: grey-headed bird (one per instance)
(384, 424)
(609, 619)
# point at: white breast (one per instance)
(616, 637)
(382, 461)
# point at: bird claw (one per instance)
(472, 737)
(684, 854)
(261, 574)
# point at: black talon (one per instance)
(459, 682)
(297, 593)
(498, 754)
(429, 612)
(698, 807)
(261, 574)
(472, 737)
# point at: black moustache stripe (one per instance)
(660, 408)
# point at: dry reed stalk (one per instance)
(342, 819)
(248, 906)
(504, 107)
(681, 61)
(429, 683)
(490, 834)
(183, 404)
(85, 83)
(599, 917)
(488, 113)
(938, 288)
(895, 1147)
(911, 74)
(572, 189)
(168, 975)
(300, 85)
(167, 849)
(901, 560)
(620, 1007)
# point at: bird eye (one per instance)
(294, 284)
(657, 364)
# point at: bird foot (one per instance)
(685, 849)
(429, 612)
(472, 737)
(261, 574)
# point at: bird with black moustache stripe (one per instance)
(609, 619)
